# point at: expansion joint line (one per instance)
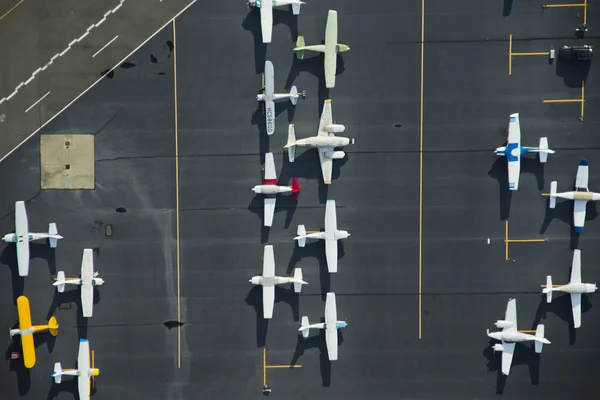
(421, 165)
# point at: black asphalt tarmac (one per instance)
(418, 297)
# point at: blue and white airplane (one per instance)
(513, 151)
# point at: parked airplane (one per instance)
(268, 280)
(331, 235)
(510, 335)
(581, 195)
(270, 190)
(26, 330)
(513, 151)
(331, 326)
(325, 141)
(266, 13)
(575, 287)
(85, 375)
(22, 237)
(331, 48)
(269, 97)
(87, 281)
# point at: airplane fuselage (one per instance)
(576, 195)
(271, 280)
(516, 336)
(277, 3)
(14, 238)
(271, 189)
(576, 288)
(274, 96)
(324, 141)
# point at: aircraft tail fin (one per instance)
(553, 189)
(304, 327)
(301, 238)
(57, 375)
(539, 334)
(544, 150)
(548, 289)
(53, 235)
(291, 143)
(53, 326)
(298, 282)
(296, 7)
(60, 281)
(296, 185)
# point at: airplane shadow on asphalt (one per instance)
(561, 307)
(22, 373)
(73, 296)
(524, 355)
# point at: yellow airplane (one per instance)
(26, 330)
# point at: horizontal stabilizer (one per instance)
(296, 8)
(548, 289)
(291, 143)
(298, 282)
(544, 150)
(301, 235)
(57, 373)
(54, 236)
(60, 281)
(304, 327)
(553, 188)
(539, 333)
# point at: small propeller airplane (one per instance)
(331, 326)
(22, 237)
(268, 280)
(509, 335)
(513, 151)
(325, 141)
(331, 235)
(269, 97)
(269, 189)
(85, 375)
(581, 195)
(26, 330)
(266, 13)
(87, 281)
(331, 48)
(575, 287)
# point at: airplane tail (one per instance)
(548, 289)
(553, 189)
(539, 334)
(60, 281)
(294, 95)
(53, 326)
(301, 238)
(304, 327)
(296, 7)
(53, 235)
(544, 150)
(291, 143)
(298, 282)
(57, 375)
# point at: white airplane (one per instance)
(581, 195)
(266, 13)
(513, 151)
(269, 97)
(575, 287)
(331, 235)
(87, 281)
(510, 335)
(22, 237)
(331, 48)
(331, 326)
(270, 190)
(85, 375)
(268, 280)
(325, 141)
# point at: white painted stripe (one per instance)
(20, 86)
(98, 80)
(73, 42)
(91, 27)
(29, 80)
(11, 95)
(34, 104)
(47, 65)
(114, 10)
(106, 14)
(105, 46)
(2, 100)
(64, 51)
(54, 57)
(37, 71)
(83, 36)
(100, 22)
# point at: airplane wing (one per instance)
(576, 267)
(270, 116)
(331, 254)
(268, 301)
(579, 214)
(22, 232)
(514, 129)
(269, 77)
(269, 210)
(576, 308)
(326, 118)
(83, 365)
(270, 173)
(27, 345)
(268, 262)
(331, 38)
(507, 356)
(511, 315)
(330, 216)
(331, 336)
(87, 289)
(326, 164)
(581, 182)
(266, 20)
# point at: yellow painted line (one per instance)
(421, 169)
(582, 97)
(563, 101)
(177, 193)
(264, 367)
(262, 81)
(564, 5)
(283, 366)
(546, 194)
(506, 240)
(510, 54)
(11, 10)
(526, 331)
(585, 13)
(527, 240)
(539, 53)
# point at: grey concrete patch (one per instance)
(67, 161)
